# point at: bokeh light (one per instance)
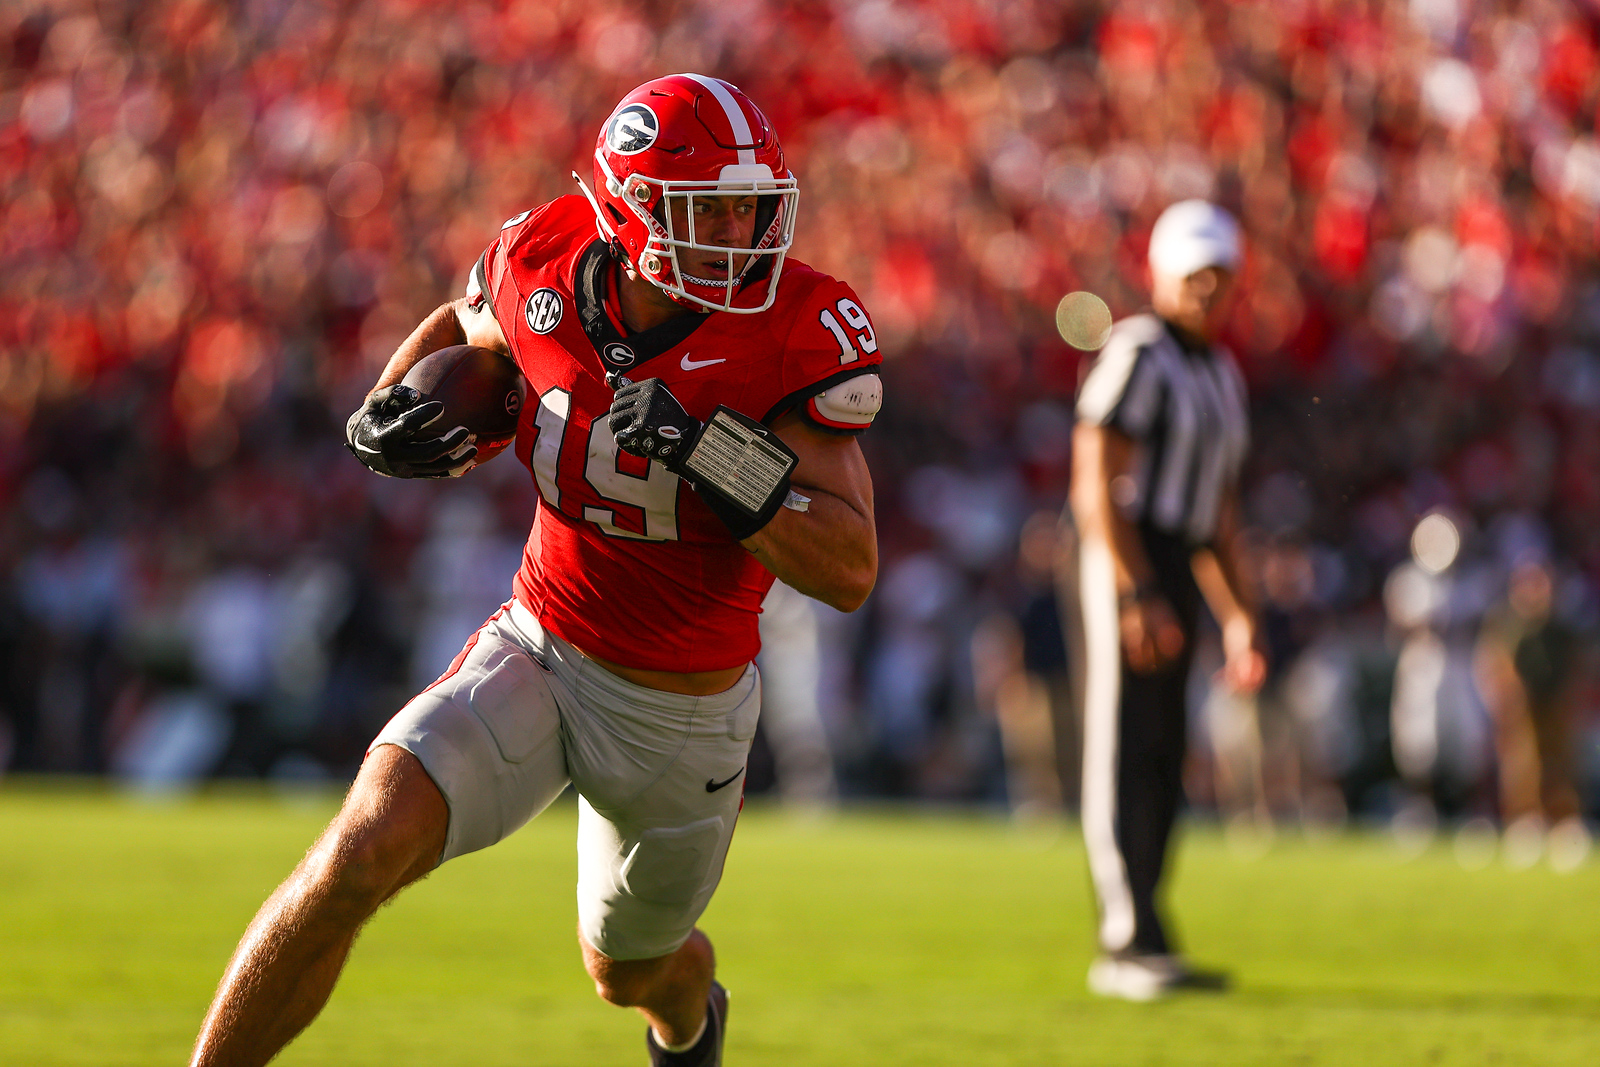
(1083, 321)
(1435, 543)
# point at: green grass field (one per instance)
(870, 938)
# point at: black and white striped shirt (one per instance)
(1186, 410)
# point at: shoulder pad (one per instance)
(848, 407)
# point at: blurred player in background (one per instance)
(1529, 664)
(1157, 452)
(791, 716)
(668, 503)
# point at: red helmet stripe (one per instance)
(736, 117)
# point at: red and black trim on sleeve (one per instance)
(478, 287)
(804, 399)
(813, 414)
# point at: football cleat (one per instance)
(1150, 977)
(677, 138)
(707, 1052)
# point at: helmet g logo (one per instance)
(632, 130)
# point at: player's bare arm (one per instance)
(830, 550)
(1103, 460)
(454, 323)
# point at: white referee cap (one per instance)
(1192, 235)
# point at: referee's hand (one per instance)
(1151, 636)
(1244, 667)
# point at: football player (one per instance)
(693, 404)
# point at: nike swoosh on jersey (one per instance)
(695, 364)
(712, 785)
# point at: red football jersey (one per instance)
(624, 560)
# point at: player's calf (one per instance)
(670, 991)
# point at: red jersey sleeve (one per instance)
(831, 361)
(521, 237)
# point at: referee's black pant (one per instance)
(1135, 735)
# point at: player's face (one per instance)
(724, 221)
(1198, 302)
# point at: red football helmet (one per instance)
(676, 138)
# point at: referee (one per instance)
(1161, 435)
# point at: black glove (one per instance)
(649, 422)
(387, 433)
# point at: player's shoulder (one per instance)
(1225, 355)
(802, 287)
(818, 316)
(829, 352)
(1231, 368)
(548, 232)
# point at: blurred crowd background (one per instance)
(220, 219)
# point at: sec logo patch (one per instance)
(544, 310)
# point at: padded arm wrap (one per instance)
(741, 470)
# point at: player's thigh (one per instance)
(489, 735)
(655, 821)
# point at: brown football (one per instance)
(480, 389)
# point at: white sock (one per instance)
(687, 1045)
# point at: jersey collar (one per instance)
(618, 353)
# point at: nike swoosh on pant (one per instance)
(712, 785)
(695, 364)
